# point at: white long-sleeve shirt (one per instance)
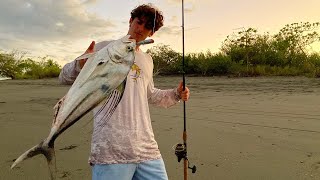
(127, 137)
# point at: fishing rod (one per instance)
(181, 149)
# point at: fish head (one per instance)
(122, 50)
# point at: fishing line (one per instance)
(154, 20)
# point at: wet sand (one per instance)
(238, 129)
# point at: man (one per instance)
(125, 148)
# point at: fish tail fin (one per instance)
(47, 151)
(51, 160)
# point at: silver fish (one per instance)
(102, 79)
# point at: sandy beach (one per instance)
(265, 128)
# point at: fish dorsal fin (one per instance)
(85, 56)
(127, 39)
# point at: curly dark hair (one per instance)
(148, 12)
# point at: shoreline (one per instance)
(4, 78)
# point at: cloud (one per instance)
(169, 31)
(179, 1)
(90, 2)
(28, 25)
(173, 19)
(188, 1)
(189, 5)
(50, 20)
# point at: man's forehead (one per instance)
(146, 21)
(143, 19)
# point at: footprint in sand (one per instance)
(316, 165)
(65, 174)
(69, 147)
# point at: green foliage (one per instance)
(8, 65)
(282, 54)
(248, 53)
(167, 61)
(208, 64)
(163, 58)
(294, 38)
(245, 53)
(18, 68)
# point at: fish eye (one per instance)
(129, 48)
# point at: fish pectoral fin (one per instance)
(85, 56)
(56, 108)
(111, 103)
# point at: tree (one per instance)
(8, 65)
(293, 39)
(14, 65)
(242, 46)
(163, 58)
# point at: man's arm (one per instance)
(169, 97)
(71, 70)
(162, 98)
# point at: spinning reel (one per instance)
(181, 153)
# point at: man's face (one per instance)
(137, 29)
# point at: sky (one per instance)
(63, 29)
